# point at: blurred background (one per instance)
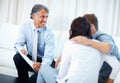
(62, 12)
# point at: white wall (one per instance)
(62, 12)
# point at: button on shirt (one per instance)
(107, 39)
(46, 41)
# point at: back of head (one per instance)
(36, 8)
(80, 26)
(93, 19)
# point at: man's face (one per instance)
(93, 29)
(40, 18)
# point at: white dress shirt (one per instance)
(79, 64)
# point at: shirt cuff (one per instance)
(46, 61)
(18, 49)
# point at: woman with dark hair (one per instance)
(80, 26)
(79, 63)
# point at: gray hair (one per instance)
(37, 8)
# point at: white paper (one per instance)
(30, 62)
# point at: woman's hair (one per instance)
(80, 26)
(36, 8)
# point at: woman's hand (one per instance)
(57, 61)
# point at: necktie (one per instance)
(35, 43)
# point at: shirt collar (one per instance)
(39, 29)
(96, 34)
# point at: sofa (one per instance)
(8, 36)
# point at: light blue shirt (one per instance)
(107, 39)
(46, 41)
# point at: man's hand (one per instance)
(81, 40)
(57, 61)
(101, 46)
(36, 66)
(24, 51)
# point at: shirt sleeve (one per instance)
(20, 42)
(108, 39)
(49, 49)
(65, 62)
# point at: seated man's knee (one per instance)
(17, 57)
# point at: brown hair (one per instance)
(93, 19)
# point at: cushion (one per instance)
(6, 58)
(8, 35)
(60, 38)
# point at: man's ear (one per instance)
(33, 15)
(70, 32)
(93, 28)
